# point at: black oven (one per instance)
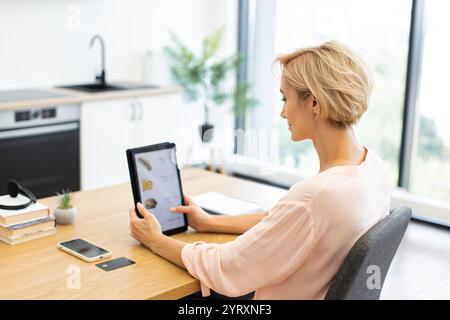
(40, 148)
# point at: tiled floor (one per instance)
(421, 266)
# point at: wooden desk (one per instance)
(38, 270)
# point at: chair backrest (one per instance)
(363, 271)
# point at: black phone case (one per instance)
(115, 264)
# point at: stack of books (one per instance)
(33, 222)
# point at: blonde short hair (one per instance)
(334, 75)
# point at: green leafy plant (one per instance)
(64, 199)
(203, 76)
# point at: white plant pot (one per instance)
(65, 216)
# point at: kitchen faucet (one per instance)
(101, 78)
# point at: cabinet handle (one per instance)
(141, 110)
(133, 111)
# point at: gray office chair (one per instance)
(370, 257)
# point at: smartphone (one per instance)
(84, 250)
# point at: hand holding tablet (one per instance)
(156, 183)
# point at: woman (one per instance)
(294, 250)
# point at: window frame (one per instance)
(242, 47)
(413, 77)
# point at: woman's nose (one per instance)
(282, 114)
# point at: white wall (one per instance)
(46, 42)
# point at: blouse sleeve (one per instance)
(266, 254)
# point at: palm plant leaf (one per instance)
(212, 44)
(243, 99)
(202, 78)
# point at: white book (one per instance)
(30, 236)
(23, 228)
(218, 203)
(33, 211)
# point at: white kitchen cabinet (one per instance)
(109, 127)
(160, 119)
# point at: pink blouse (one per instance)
(296, 250)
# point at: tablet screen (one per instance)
(159, 187)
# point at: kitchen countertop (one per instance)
(74, 96)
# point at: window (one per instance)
(379, 32)
(418, 151)
(430, 174)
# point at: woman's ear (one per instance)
(315, 106)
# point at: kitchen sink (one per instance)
(98, 87)
(92, 87)
(102, 85)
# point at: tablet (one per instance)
(156, 183)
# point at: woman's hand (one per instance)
(197, 217)
(146, 230)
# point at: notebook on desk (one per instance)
(218, 203)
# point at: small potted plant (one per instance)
(65, 213)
